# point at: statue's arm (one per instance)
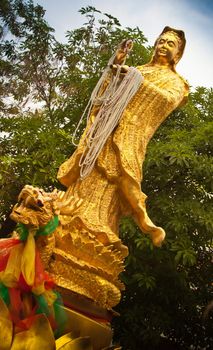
(175, 91)
(120, 57)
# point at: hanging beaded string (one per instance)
(112, 105)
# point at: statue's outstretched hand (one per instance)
(122, 52)
(120, 57)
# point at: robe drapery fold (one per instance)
(103, 203)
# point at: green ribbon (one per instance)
(4, 294)
(48, 228)
(43, 307)
(60, 315)
(42, 231)
(22, 231)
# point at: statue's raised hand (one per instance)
(122, 52)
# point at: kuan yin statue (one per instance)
(107, 175)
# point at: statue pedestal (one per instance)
(80, 325)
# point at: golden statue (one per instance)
(74, 236)
(113, 187)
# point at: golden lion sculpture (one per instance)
(85, 272)
(77, 261)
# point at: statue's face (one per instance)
(167, 48)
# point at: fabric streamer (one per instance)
(112, 104)
(60, 315)
(25, 287)
(4, 293)
(28, 260)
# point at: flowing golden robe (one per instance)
(104, 201)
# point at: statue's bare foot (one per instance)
(158, 236)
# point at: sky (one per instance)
(195, 17)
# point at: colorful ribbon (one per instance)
(21, 272)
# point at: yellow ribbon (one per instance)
(28, 260)
(6, 327)
(38, 290)
(21, 259)
(11, 274)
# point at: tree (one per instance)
(26, 71)
(29, 75)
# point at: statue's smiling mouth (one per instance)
(162, 50)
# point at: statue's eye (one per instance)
(30, 206)
(34, 207)
(39, 203)
(171, 43)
